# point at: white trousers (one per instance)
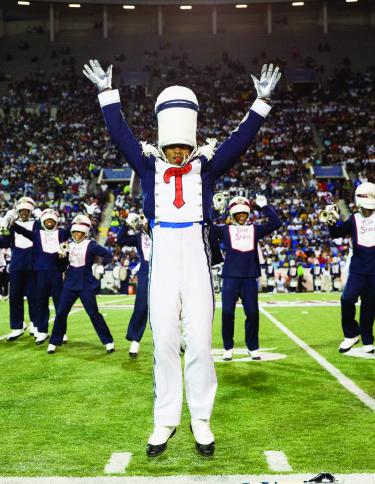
(181, 289)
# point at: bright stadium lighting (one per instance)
(128, 7)
(298, 4)
(351, 1)
(241, 5)
(21, 2)
(74, 5)
(186, 7)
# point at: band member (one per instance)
(242, 269)
(80, 283)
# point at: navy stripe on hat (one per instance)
(177, 103)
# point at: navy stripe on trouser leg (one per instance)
(353, 289)
(138, 320)
(32, 281)
(367, 314)
(249, 296)
(88, 299)
(197, 311)
(68, 298)
(230, 294)
(17, 290)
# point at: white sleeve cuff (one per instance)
(261, 107)
(109, 97)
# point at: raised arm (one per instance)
(120, 133)
(274, 221)
(228, 153)
(123, 238)
(340, 229)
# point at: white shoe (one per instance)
(51, 349)
(228, 355)
(16, 333)
(368, 348)
(41, 338)
(202, 432)
(160, 435)
(255, 354)
(110, 347)
(134, 349)
(65, 339)
(33, 330)
(347, 344)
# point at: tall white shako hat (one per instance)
(26, 203)
(365, 195)
(81, 223)
(49, 213)
(176, 109)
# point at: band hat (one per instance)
(81, 223)
(176, 109)
(365, 195)
(26, 203)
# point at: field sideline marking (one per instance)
(346, 382)
(118, 463)
(277, 461)
(189, 479)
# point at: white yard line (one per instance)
(234, 479)
(346, 382)
(118, 463)
(277, 461)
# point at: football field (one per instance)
(302, 410)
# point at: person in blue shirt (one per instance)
(361, 281)
(80, 283)
(49, 268)
(22, 277)
(242, 269)
(142, 241)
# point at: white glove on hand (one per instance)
(90, 209)
(101, 79)
(37, 213)
(10, 217)
(268, 80)
(261, 201)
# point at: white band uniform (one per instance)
(180, 285)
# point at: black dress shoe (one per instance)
(207, 450)
(155, 450)
(322, 477)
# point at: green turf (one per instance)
(66, 414)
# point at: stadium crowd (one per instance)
(64, 145)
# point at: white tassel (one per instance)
(208, 150)
(148, 149)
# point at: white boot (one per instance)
(255, 354)
(65, 339)
(160, 435)
(16, 333)
(33, 330)
(228, 355)
(369, 349)
(347, 343)
(202, 431)
(110, 347)
(51, 349)
(41, 338)
(134, 349)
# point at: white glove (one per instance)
(90, 209)
(261, 201)
(9, 218)
(268, 80)
(101, 79)
(37, 213)
(97, 271)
